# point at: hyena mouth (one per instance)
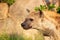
(26, 27)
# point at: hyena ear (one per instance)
(28, 10)
(40, 13)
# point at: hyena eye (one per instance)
(31, 19)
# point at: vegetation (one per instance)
(49, 7)
(42, 7)
(5, 36)
(58, 10)
(11, 37)
(9, 2)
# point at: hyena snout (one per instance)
(23, 24)
(26, 26)
(27, 23)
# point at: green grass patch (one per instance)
(5, 36)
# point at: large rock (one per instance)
(3, 10)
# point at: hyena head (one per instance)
(37, 20)
(32, 20)
(41, 21)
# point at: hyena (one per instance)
(46, 21)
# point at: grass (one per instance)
(5, 36)
(50, 7)
(10, 37)
(58, 10)
(43, 7)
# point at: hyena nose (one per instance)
(22, 24)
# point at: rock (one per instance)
(3, 10)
